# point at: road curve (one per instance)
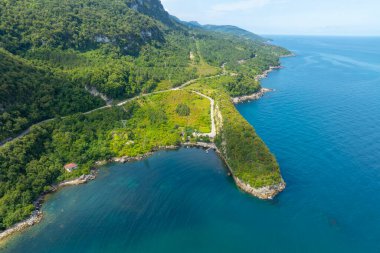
(211, 135)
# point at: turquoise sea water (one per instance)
(323, 125)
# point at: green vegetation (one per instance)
(30, 94)
(51, 51)
(156, 122)
(183, 110)
(234, 85)
(198, 62)
(112, 47)
(233, 30)
(29, 165)
(247, 155)
(225, 29)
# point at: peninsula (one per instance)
(95, 81)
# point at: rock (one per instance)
(35, 218)
(266, 192)
(254, 96)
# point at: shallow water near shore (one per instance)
(323, 125)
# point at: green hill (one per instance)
(31, 94)
(53, 51)
(226, 29)
(233, 30)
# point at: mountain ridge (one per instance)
(227, 29)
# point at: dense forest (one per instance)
(53, 52)
(30, 94)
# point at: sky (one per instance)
(298, 17)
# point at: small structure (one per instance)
(70, 167)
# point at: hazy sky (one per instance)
(328, 17)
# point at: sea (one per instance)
(322, 123)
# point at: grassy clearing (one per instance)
(155, 122)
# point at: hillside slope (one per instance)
(226, 29)
(30, 94)
(53, 50)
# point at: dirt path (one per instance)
(212, 134)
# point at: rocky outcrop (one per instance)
(266, 72)
(204, 145)
(254, 96)
(288, 55)
(126, 159)
(93, 91)
(35, 218)
(80, 180)
(266, 192)
(37, 215)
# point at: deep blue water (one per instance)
(323, 125)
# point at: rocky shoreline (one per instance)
(288, 55)
(257, 95)
(266, 72)
(35, 218)
(126, 159)
(37, 215)
(266, 192)
(254, 96)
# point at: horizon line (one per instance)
(321, 35)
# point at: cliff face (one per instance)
(152, 8)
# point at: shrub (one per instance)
(183, 110)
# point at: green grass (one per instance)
(155, 122)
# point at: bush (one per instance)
(183, 110)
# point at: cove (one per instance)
(323, 125)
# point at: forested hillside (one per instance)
(31, 94)
(52, 52)
(226, 29)
(80, 25)
(121, 48)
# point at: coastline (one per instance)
(266, 72)
(37, 215)
(255, 96)
(259, 94)
(292, 54)
(264, 193)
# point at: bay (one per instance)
(323, 125)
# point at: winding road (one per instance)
(211, 135)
